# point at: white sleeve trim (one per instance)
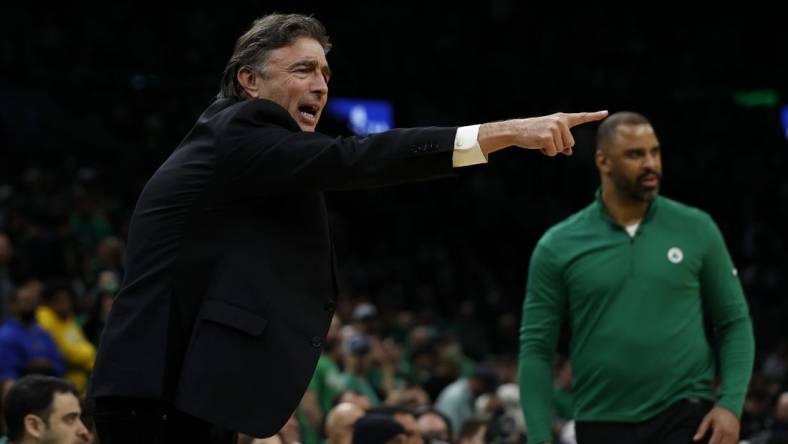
(466, 147)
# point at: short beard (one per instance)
(635, 190)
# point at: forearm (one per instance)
(536, 396)
(497, 135)
(737, 350)
(551, 134)
(543, 313)
(723, 297)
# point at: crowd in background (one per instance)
(409, 332)
(432, 275)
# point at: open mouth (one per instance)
(309, 112)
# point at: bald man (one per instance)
(636, 275)
(339, 422)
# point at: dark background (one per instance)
(92, 100)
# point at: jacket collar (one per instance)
(604, 215)
(273, 110)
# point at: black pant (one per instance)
(675, 425)
(145, 421)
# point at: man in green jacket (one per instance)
(635, 275)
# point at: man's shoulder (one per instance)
(675, 209)
(326, 365)
(455, 388)
(11, 331)
(46, 317)
(576, 223)
(9, 324)
(5, 330)
(255, 111)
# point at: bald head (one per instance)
(610, 128)
(432, 425)
(339, 422)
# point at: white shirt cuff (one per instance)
(466, 147)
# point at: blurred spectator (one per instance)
(56, 316)
(776, 363)
(378, 429)
(757, 405)
(458, 399)
(326, 384)
(446, 365)
(339, 423)
(434, 426)
(327, 381)
(406, 418)
(44, 409)
(413, 398)
(88, 223)
(25, 347)
(382, 374)
(778, 431)
(100, 303)
(358, 361)
(507, 424)
(288, 434)
(108, 257)
(472, 432)
(417, 355)
(354, 397)
(472, 331)
(365, 319)
(43, 246)
(245, 439)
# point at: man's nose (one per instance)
(83, 432)
(319, 84)
(650, 161)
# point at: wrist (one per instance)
(495, 136)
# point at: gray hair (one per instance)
(266, 34)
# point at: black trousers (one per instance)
(145, 421)
(675, 425)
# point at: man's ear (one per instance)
(34, 426)
(602, 161)
(249, 81)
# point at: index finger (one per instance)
(574, 119)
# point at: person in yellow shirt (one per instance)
(56, 316)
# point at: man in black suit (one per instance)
(230, 283)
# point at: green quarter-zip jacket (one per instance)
(635, 306)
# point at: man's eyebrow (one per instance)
(303, 64)
(311, 64)
(640, 148)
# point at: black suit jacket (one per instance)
(230, 283)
